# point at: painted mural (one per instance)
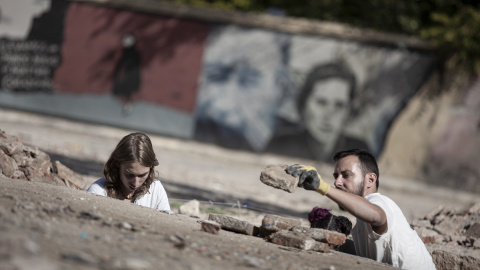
(238, 87)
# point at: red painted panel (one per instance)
(170, 54)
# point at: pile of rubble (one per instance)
(19, 161)
(280, 230)
(452, 236)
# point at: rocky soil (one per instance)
(48, 221)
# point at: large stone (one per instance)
(277, 177)
(190, 208)
(10, 144)
(68, 175)
(273, 223)
(232, 224)
(8, 166)
(40, 166)
(293, 239)
(450, 226)
(422, 223)
(322, 235)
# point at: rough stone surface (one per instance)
(20, 161)
(322, 235)
(274, 223)
(10, 144)
(450, 226)
(423, 223)
(293, 239)
(7, 164)
(277, 177)
(211, 226)
(321, 247)
(474, 231)
(428, 235)
(454, 239)
(445, 260)
(190, 208)
(232, 224)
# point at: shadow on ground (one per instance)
(181, 192)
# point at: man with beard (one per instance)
(382, 232)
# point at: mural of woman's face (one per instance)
(326, 109)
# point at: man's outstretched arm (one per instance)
(361, 208)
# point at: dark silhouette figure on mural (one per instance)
(324, 104)
(126, 77)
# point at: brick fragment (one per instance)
(277, 177)
(322, 235)
(211, 226)
(273, 223)
(233, 224)
(428, 236)
(293, 239)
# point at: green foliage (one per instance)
(453, 26)
(456, 36)
(217, 210)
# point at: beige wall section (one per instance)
(415, 132)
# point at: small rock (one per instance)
(125, 225)
(293, 239)
(191, 208)
(211, 226)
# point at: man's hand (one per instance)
(309, 178)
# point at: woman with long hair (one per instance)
(129, 174)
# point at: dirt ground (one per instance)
(54, 227)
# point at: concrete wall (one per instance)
(247, 81)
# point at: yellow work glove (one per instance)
(309, 178)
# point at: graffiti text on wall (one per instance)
(27, 65)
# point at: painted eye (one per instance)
(218, 72)
(248, 76)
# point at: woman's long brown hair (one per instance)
(135, 147)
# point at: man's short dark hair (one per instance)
(368, 162)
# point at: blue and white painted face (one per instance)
(239, 87)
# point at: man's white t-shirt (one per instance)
(156, 196)
(400, 246)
